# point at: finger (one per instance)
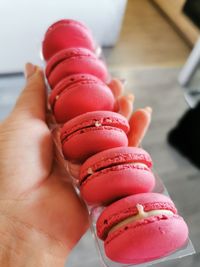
(50, 119)
(125, 104)
(116, 87)
(139, 123)
(32, 101)
(59, 159)
(74, 169)
(57, 149)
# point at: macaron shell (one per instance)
(141, 242)
(77, 100)
(126, 207)
(78, 65)
(66, 54)
(116, 182)
(90, 141)
(114, 156)
(65, 34)
(74, 61)
(71, 81)
(89, 119)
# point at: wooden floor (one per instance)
(146, 39)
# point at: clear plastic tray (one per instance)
(94, 212)
(187, 250)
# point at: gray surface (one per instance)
(10, 87)
(157, 88)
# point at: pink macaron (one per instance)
(116, 173)
(92, 132)
(66, 33)
(141, 228)
(78, 94)
(73, 61)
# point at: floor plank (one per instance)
(146, 39)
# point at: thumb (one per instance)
(32, 100)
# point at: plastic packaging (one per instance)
(95, 211)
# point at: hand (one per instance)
(42, 218)
(40, 210)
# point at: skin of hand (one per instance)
(41, 216)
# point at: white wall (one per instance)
(23, 23)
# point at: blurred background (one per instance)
(153, 45)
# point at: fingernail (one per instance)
(29, 70)
(130, 97)
(149, 109)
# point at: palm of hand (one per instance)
(34, 196)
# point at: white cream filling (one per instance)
(136, 164)
(97, 124)
(141, 215)
(108, 120)
(90, 171)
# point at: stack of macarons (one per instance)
(136, 225)
(75, 74)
